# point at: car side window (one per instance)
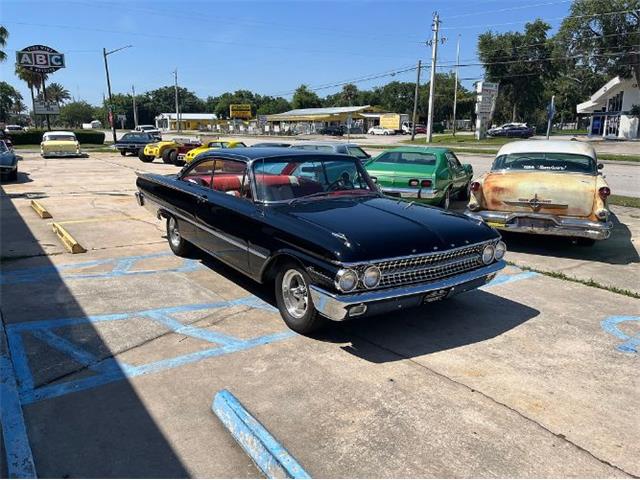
(454, 163)
(200, 173)
(230, 177)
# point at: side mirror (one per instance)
(600, 166)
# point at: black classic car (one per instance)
(133, 142)
(515, 130)
(316, 226)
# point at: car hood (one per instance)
(376, 228)
(7, 158)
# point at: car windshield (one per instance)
(547, 162)
(60, 138)
(290, 178)
(3, 147)
(407, 158)
(135, 136)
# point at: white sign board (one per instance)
(487, 94)
(40, 107)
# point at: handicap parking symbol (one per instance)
(630, 342)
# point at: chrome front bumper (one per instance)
(341, 306)
(419, 193)
(554, 225)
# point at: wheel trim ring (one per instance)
(174, 233)
(295, 294)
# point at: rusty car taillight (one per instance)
(604, 192)
(475, 186)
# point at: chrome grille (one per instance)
(430, 267)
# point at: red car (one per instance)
(421, 129)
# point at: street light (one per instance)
(106, 69)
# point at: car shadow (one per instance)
(466, 319)
(617, 250)
(101, 432)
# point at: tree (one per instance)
(607, 43)
(163, 100)
(397, 96)
(32, 79)
(270, 105)
(521, 63)
(305, 98)
(8, 98)
(74, 114)
(4, 34)
(57, 93)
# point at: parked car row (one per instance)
(341, 235)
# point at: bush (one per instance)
(34, 137)
(438, 127)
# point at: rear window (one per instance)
(319, 148)
(546, 162)
(407, 158)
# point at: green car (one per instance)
(429, 174)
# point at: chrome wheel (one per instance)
(447, 200)
(174, 233)
(295, 293)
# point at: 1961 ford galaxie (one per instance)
(545, 187)
(317, 227)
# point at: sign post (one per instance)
(40, 59)
(487, 93)
(551, 112)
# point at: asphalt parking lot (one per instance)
(118, 352)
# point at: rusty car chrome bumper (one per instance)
(343, 306)
(553, 224)
(418, 193)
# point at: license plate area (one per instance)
(534, 223)
(436, 295)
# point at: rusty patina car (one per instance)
(544, 187)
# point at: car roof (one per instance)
(324, 144)
(548, 146)
(252, 153)
(424, 149)
(59, 132)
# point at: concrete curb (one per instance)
(40, 209)
(14, 432)
(70, 243)
(265, 451)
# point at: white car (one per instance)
(13, 128)
(378, 130)
(59, 144)
(150, 129)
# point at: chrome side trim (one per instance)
(336, 307)
(425, 193)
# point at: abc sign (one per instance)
(40, 58)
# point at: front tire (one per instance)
(143, 157)
(173, 157)
(294, 300)
(123, 153)
(166, 156)
(178, 245)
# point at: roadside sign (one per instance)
(240, 110)
(40, 107)
(40, 58)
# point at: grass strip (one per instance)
(589, 283)
(624, 201)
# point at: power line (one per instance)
(510, 9)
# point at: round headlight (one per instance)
(371, 277)
(488, 254)
(501, 249)
(346, 280)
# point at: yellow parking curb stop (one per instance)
(67, 240)
(40, 210)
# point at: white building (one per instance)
(609, 108)
(188, 121)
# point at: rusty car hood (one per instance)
(569, 194)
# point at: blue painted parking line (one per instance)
(631, 343)
(122, 266)
(111, 370)
(510, 277)
(265, 451)
(14, 432)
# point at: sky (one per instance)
(269, 47)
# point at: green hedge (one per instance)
(33, 137)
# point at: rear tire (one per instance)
(123, 152)
(173, 157)
(294, 300)
(143, 157)
(166, 156)
(178, 245)
(446, 200)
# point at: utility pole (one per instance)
(432, 86)
(455, 88)
(551, 111)
(175, 76)
(44, 96)
(111, 116)
(135, 108)
(106, 69)
(415, 102)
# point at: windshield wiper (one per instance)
(320, 194)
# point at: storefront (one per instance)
(188, 121)
(609, 110)
(312, 120)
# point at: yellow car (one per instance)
(156, 150)
(191, 154)
(59, 144)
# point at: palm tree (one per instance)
(57, 93)
(4, 34)
(18, 107)
(33, 80)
